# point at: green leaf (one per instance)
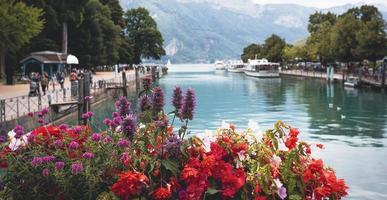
(212, 191)
(295, 197)
(170, 165)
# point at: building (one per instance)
(47, 61)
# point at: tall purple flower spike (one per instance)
(158, 100)
(187, 110)
(177, 98)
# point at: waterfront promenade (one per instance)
(10, 91)
(15, 102)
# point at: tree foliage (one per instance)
(251, 52)
(18, 24)
(142, 32)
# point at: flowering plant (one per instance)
(141, 155)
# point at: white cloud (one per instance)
(321, 3)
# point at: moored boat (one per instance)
(262, 68)
(351, 82)
(219, 65)
(236, 66)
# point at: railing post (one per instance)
(137, 80)
(29, 104)
(124, 85)
(17, 107)
(80, 100)
(2, 110)
(39, 101)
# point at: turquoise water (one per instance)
(351, 123)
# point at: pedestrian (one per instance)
(60, 77)
(44, 81)
(74, 83)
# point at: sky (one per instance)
(321, 3)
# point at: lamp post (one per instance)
(384, 71)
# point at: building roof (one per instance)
(47, 57)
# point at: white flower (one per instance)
(142, 125)
(276, 160)
(15, 143)
(241, 155)
(207, 137)
(278, 183)
(253, 125)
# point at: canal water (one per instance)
(351, 123)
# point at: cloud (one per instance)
(321, 3)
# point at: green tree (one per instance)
(295, 52)
(18, 24)
(371, 36)
(273, 48)
(143, 34)
(253, 51)
(317, 19)
(116, 11)
(319, 44)
(97, 40)
(343, 37)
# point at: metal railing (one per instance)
(15, 107)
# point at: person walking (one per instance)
(60, 77)
(74, 83)
(44, 81)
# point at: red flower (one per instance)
(217, 151)
(189, 172)
(321, 146)
(316, 166)
(129, 184)
(293, 132)
(291, 142)
(174, 184)
(162, 194)
(238, 147)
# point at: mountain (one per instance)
(206, 30)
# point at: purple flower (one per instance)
(44, 111)
(123, 106)
(182, 194)
(107, 139)
(124, 157)
(147, 82)
(77, 129)
(30, 138)
(47, 159)
(187, 110)
(107, 122)
(58, 143)
(36, 161)
(282, 192)
(116, 121)
(30, 114)
(128, 125)
(88, 155)
(40, 121)
(74, 145)
(87, 115)
(76, 168)
(177, 98)
(88, 98)
(59, 165)
(3, 138)
(161, 123)
(63, 127)
(19, 131)
(115, 114)
(45, 172)
(158, 100)
(122, 143)
(172, 145)
(96, 137)
(144, 103)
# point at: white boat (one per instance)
(236, 66)
(262, 68)
(351, 82)
(169, 64)
(219, 65)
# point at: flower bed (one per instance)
(141, 156)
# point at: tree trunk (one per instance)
(64, 38)
(2, 65)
